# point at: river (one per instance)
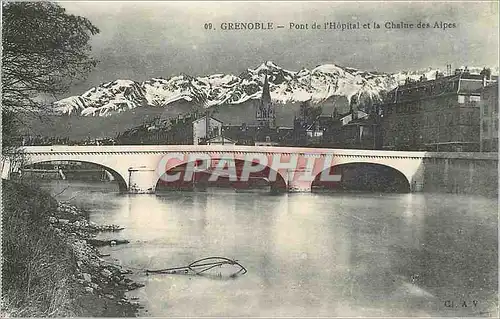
(358, 254)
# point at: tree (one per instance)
(45, 51)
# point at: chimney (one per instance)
(486, 75)
(353, 113)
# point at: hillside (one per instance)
(79, 127)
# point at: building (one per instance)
(205, 128)
(266, 142)
(435, 115)
(220, 140)
(243, 134)
(267, 136)
(308, 125)
(173, 131)
(265, 114)
(353, 115)
(360, 133)
(355, 129)
(488, 107)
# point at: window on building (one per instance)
(485, 126)
(442, 120)
(474, 98)
(461, 99)
(485, 109)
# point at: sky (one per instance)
(142, 40)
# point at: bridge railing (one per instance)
(251, 149)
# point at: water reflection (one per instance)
(307, 254)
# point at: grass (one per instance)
(37, 264)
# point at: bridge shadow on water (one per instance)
(356, 177)
(179, 178)
(363, 177)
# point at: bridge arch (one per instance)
(202, 177)
(364, 176)
(121, 181)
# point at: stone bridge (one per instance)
(139, 168)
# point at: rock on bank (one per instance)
(49, 268)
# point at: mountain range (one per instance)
(317, 85)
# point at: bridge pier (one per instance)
(142, 180)
(296, 183)
(416, 181)
(417, 185)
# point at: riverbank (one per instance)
(50, 267)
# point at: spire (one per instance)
(265, 111)
(266, 95)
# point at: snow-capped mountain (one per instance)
(286, 86)
(104, 99)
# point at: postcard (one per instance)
(250, 159)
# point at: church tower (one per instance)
(265, 114)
